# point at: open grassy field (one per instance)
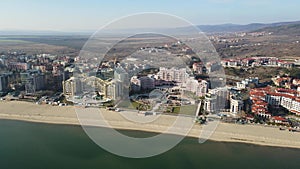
(27, 45)
(12, 41)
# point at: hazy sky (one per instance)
(76, 15)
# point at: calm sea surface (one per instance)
(25, 145)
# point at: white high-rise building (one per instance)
(34, 82)
(236, 105)
(173, 74)
(222, 94)
(121, 75)
(147, 83)
(199, 88)
(135, 84)
(115, 90)
(3, 83)
(72, 87)
(210, 103)
(119, 86)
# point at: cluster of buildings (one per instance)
(256, 61)
(198, 87)
(34, 81)
(170, 76)
(114, 80)
(173, 74)
(32, 73)
(98, 88)
(287, 82)
(224, 99)
(246, 83)
(198, 67)
(212, 66)
(216, 99)
(264, 98)
(259, 104)
(142, 83)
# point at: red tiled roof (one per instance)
(259, 104)
(282, 95)
(257, 94)
(248, 59)
(279, 118)
(294, 111)
(290, 91)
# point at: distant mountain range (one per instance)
(278, 28)
(289, 29)
(242, 28)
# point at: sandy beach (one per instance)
(254, 134)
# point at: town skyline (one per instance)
(148, 84)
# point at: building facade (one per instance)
(34, 82)
(135, 84)
(199, 88)
(210, 103)
(173, 74)
(72, 87)
(3, 83)
(236, 105)
(147, 83)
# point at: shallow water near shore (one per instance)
(35, 145)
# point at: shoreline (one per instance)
(225, 132)
(233, 140)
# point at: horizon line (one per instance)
(93, 30)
